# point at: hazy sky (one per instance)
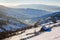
(15, 2)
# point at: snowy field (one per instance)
(52, 35)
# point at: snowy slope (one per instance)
(53, 35)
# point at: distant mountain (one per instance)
(12, 23)
(39, 6)
(29, 14)
(5, 15)
(51, 14)
(46, 16)
(24, 14)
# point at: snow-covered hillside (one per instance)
(52, 35)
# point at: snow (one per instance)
(52, 35)
(47, 25)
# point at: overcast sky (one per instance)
(15, 2)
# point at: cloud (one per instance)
(9, 4)
(15, 4)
